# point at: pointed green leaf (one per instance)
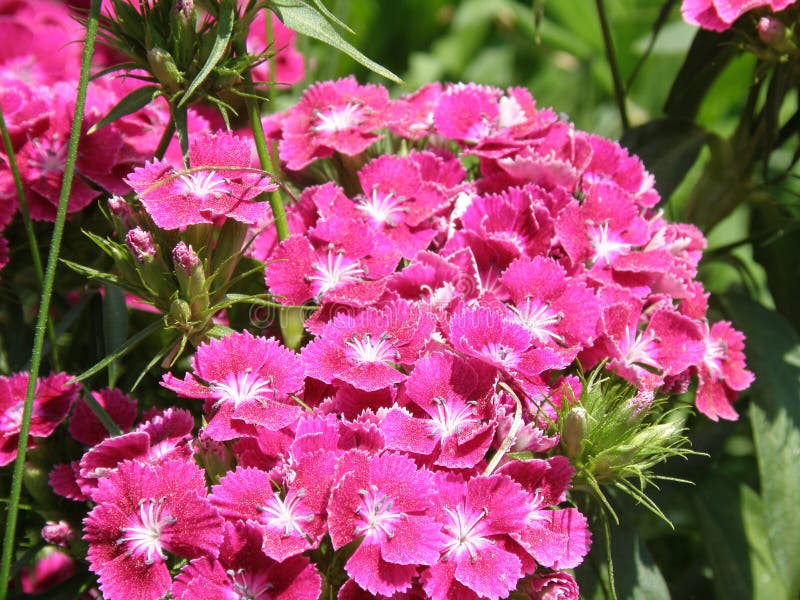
(115, 325)
(224, 30)
(307, 20)
(331, 17)
(773, 353)
(137, 99)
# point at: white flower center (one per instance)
(714, 355)
(451, 418)
(203, 184)
(381, 207)
(642, 348)
(375, 513)
(143, 538)
(538, 318)
(337, 269)
(248, 585)
(366, 349)
(238, 387)
(50, 156)
(606, 244)
(464, 533)
(278, 514)
(338, 118)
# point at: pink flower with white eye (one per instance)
(242, 571)
(333, 116)
(384, 500)
(141, 513)
(52, 400)
(458, 421)
(477, 558)
(367, 349)
(220, 184)
(412, 114)
(719, 15)
(721, 373)
(487, 122)
(245, 382)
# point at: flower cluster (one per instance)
(464, 259)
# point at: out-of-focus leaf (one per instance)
(115, 325)
(668, 147)
(733, 524)
(709, 54)
(773, 353)
(223, 32)
(635, 573)
(138, 98)
(306, 20)
(776, 254)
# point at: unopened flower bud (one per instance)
(774, 34)
(575, 427)
(180, 312)
(185, 258)
(58, 534)
(141, 245)
(120, 209)
(164, 68)
(185, 8)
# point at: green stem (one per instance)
(608, 43)
(275, 201)
(273, 65)
(26, 219)
(44, 305)
(179, 118)
(166, 138)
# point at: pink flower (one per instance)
(243, 571)
(141, 513)
(289, 67)
(84, 425)
(384, 500)
(332, 116)
(52, 400)
(721, 373)
(220, 184)
(245, 382)
(554, 586)
(719, 15)
(477, 558)
(48, 572)
(367, 349)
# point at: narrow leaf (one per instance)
(115, 325)
(306, 20)
(224, 31)
(137, 99)
(331, 17)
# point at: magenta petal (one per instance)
(374, 574)
(493, 575)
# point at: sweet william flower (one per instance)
(719, 15)
(384, 500)
(245, 382)
(141, 513)
(53, 398)
(221, 184)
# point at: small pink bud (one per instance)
(58, 534)
(772, 32)
(141, 244)
(119, 208)
(185, 257)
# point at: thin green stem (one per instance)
(44, 305)
(26, 219)
(275, 201)
(608, 43)
(166, 138)
(271, 81)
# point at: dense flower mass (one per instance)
(462, 258)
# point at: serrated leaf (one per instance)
(307, 20)
(137, 99)
(223, 30)
(668, 147)
(773, 353)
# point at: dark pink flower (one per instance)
(719, 15)
(243, 571)
(221, 184)
(333, 116)
(245, 382)
(48, 571)
(721, 373)
(51, 403)
(384, 500)
(477, 517)
(84, 425)
(141, 513)
(367, 349)
(554, 586)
